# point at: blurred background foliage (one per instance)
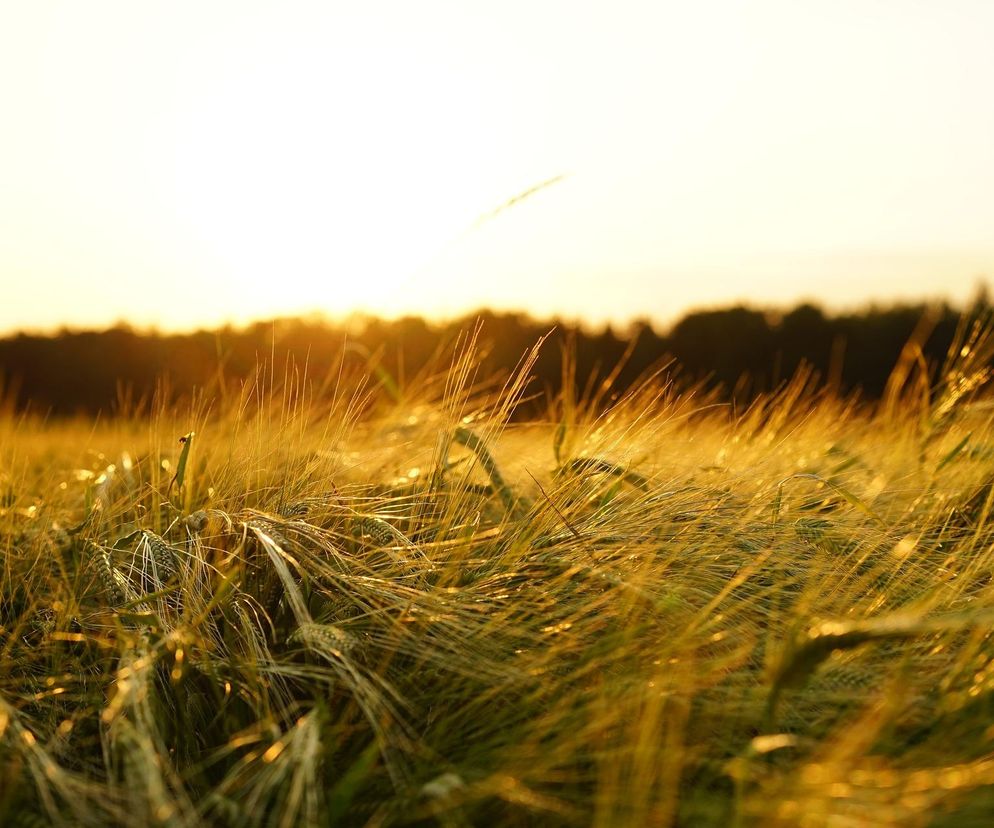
(740, 350)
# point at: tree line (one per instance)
(739, 349)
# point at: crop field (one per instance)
(336, 601)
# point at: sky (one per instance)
(183, 164)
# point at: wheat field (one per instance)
(337, 601)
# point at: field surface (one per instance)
(340, 602)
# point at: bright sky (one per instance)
(184, 163)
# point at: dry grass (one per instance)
(354, 607)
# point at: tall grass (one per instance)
(372, 605)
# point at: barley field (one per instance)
(336, 601)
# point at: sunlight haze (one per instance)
(192, 163)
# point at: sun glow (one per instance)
(330, 197)
(196, 162)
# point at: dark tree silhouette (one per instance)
(741, 350)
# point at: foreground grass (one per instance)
(393, 607)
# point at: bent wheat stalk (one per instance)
(474, 443)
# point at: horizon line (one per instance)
(359, 315)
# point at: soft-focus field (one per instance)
(340, 602)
